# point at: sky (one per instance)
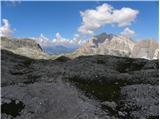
(69, 20)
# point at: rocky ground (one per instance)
(85, 87)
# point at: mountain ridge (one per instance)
(103, 44)
(119, 45)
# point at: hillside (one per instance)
(24, 46)
(99, 86)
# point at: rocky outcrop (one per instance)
(99, 86)
(26, 47)
(156, 54)
(146, 49)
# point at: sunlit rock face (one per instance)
(98, 86)
(24, 46)
(108, 44)
(12, 43)
(156, 54)
(146, 49)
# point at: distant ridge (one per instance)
(103, 44)
(24, 46)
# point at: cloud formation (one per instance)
(103, 15)
(13, 2)
(59, 40)
(6, 30)
(128, 32)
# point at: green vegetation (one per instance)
(62, 59)
(129, 64)
(102, 90)
(31, 79)
(28, 62)
(99, 61)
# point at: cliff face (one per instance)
(148, 49)
(98, 86)
(26, 47)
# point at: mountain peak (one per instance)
(101, 38)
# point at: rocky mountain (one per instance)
(119, 45)
(103, 44)
(97, 86)
(108, 44)
(24, 46)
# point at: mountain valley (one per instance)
(91, 86)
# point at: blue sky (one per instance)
(30, 19)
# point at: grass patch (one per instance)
(101, 90)
(129, 65)
(62, 59)
(28, 62)
(31, 79)
(99, 61)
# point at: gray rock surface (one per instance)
(138, 106)
(86, 87)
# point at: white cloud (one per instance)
(124, 16)
(128, 32)
(103, 15)
(59, 40)
(6, 30)
(15, 2)
(59, 37)
(42, 40)
(77, 39)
